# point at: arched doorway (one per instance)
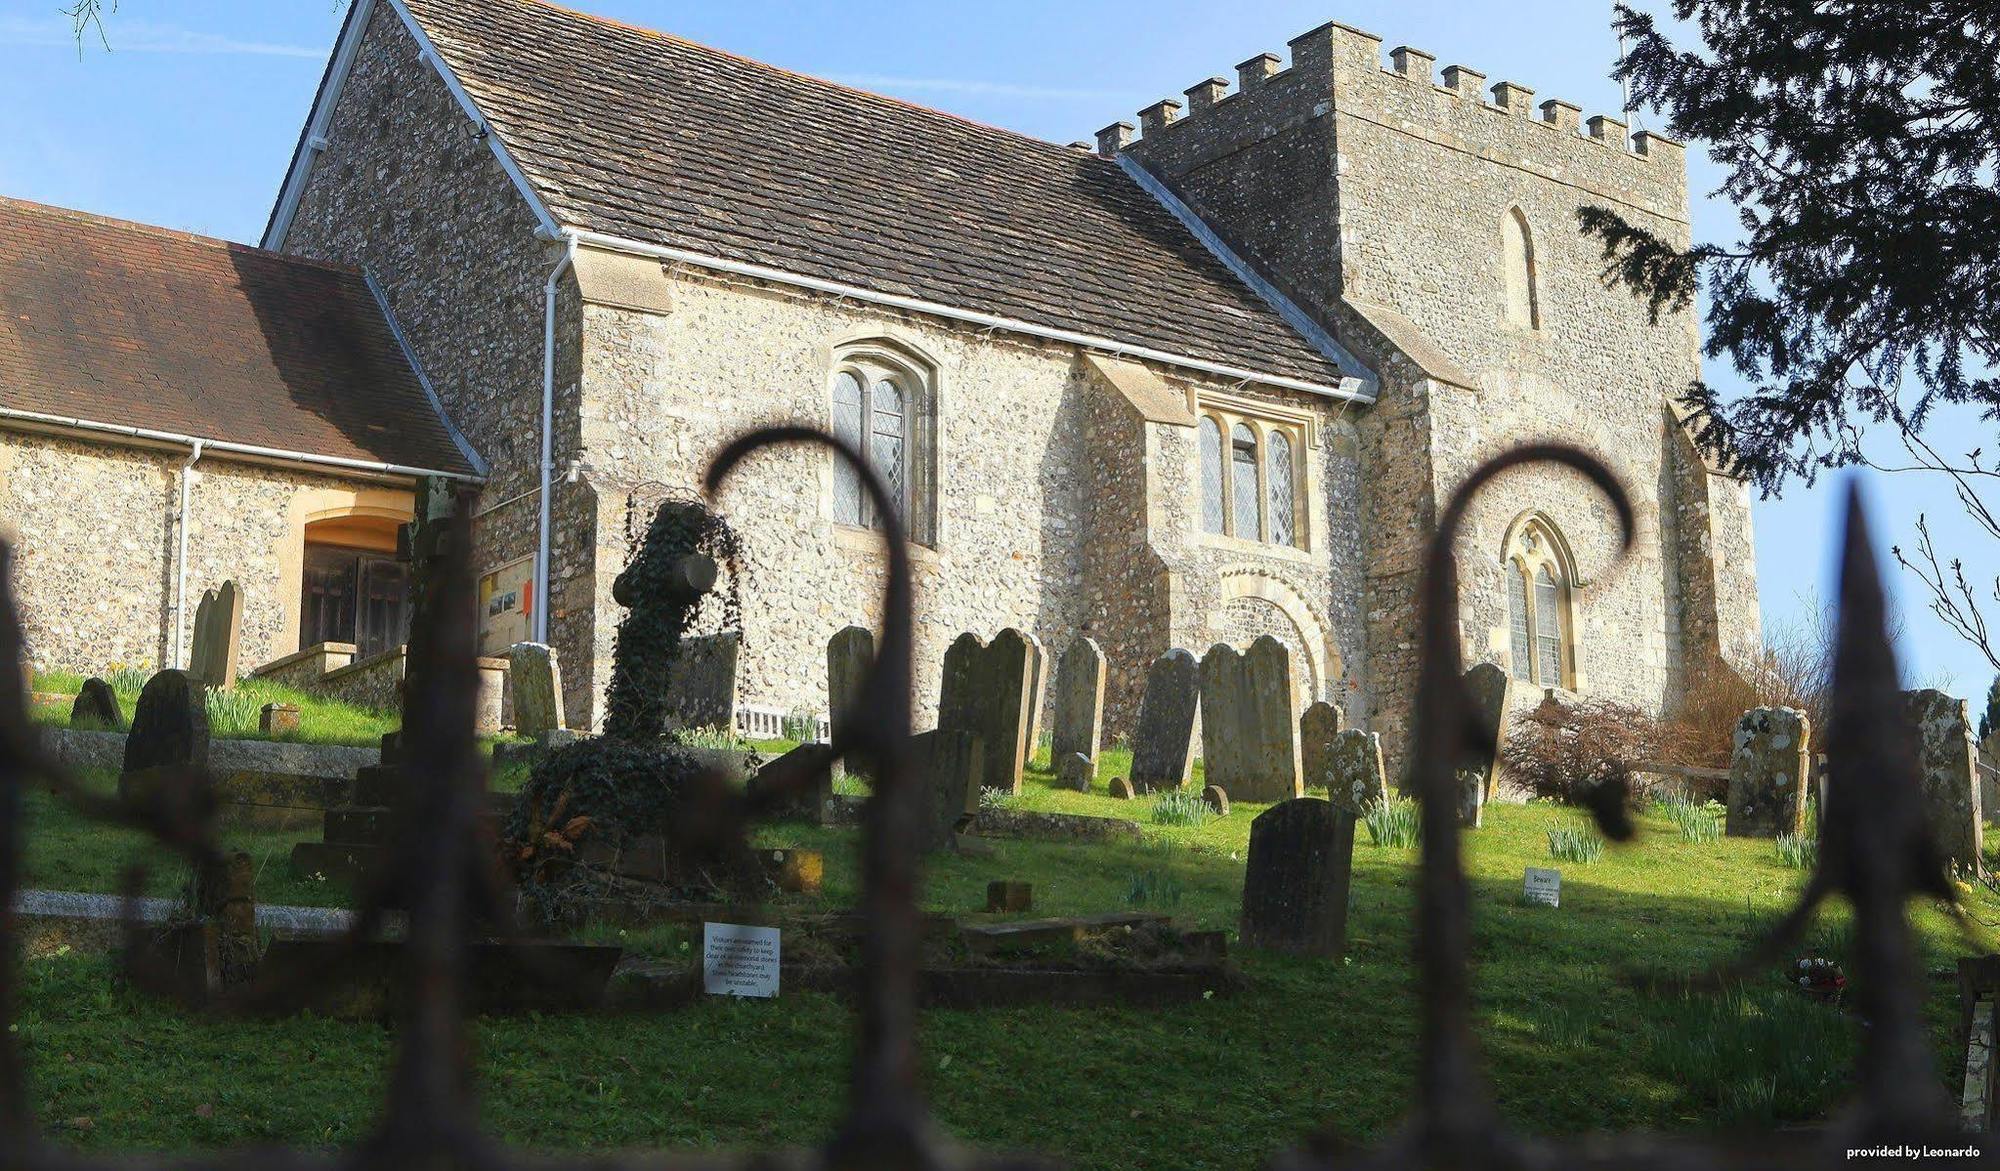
(352, 587)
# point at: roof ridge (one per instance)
(139, 227)
(857, 91)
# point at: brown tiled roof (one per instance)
(653, 138)
(114, 322)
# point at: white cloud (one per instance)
(136, 36)
(999, 89)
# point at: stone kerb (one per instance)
(1768, 766)
(1163, 742)
(1247, 739)
(986, 692)
(1079, 700)
(1948, 770)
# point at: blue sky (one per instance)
(191, 117)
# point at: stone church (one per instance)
(1209, 377)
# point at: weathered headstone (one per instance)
(96, 706)
(536, 681)
(849, 655)
(1948, 768)
(1295, 883)
(1079, 700)
(1767, 772)
(1317, 728)
(950, 765)
(701, 684)
(1479, 772)
(1354, 771)
(1248, 743)
(1120, 789)
(278, 719)
(1075, 771)
(1163, 743)
(1038, 691)
(986, 690)
(218, 637)
(169, 730)
(806, 775)
(1216, 799)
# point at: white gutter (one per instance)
(548, 461)
(213, 445)
(1351, 389)
(181, 556)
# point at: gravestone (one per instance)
(536, 682)
(1075, 771)
(849, 655)
(218, 637)
(1355, 771)
(1038, 691)
(1163, 742)
(701, 683)
(807, 799)
(1120, 789)
(1079, 700)
(169, 730)
(1004, 897)
(1216, 799)
(986, 690)
(1948, 770)
(96, 706)
(1767, 773)
(1295, 883)
(1478, 771)
(1317, 728)
(950, 764)
(1248, 745)
(278, 719)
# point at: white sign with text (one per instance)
(738, 960)
(1544, 886)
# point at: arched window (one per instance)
(881, 405)
(1243, 482)
(1517, 258)
(1211, 475)
(1278, 482)
(1540, 580)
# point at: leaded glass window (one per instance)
(1278, 481)
(881, 406)
(848, 498)
(889, 451)
(1211, 476)
(1243, 482)
(1517, 622)
(1548, 629)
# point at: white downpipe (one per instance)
(548, 462)
(181, 556)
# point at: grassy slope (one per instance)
(1570, 1042)
(234, 715)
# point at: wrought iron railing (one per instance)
(1874, 852)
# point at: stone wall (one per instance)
(95, 526)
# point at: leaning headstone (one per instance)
(1767, 772)
(849, 655)
(1295, 883)
(1355, 773)
(1038, 690)
(536, 682)
(1948, 767)
(1478, 771)
(950, 765)
(1120, 789)
(986, 689)
(1216, 799)
(218, 637)
(701, 684)
(1079, 700)
(1248, 745)
(169, 730)
(1163, 743)
(1075, 771)
(96, 706)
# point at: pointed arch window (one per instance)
(1540, 581)
(882, 406)
(1517, 257)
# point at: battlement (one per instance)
(1337, 66)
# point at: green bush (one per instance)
(1180, 807)
(1697, 821)
(1575, 845)
(1393, 821)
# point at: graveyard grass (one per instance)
(232, 715)
(1570, 1038)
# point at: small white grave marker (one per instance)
(738, 960)
(1544, 887)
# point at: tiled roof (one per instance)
(114, 322)
(653, 138)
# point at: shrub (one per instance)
(1393, 821)
(1564, 752)
(1575, 845)
(1799, 851)
(1697, 821)
(1180, 807)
